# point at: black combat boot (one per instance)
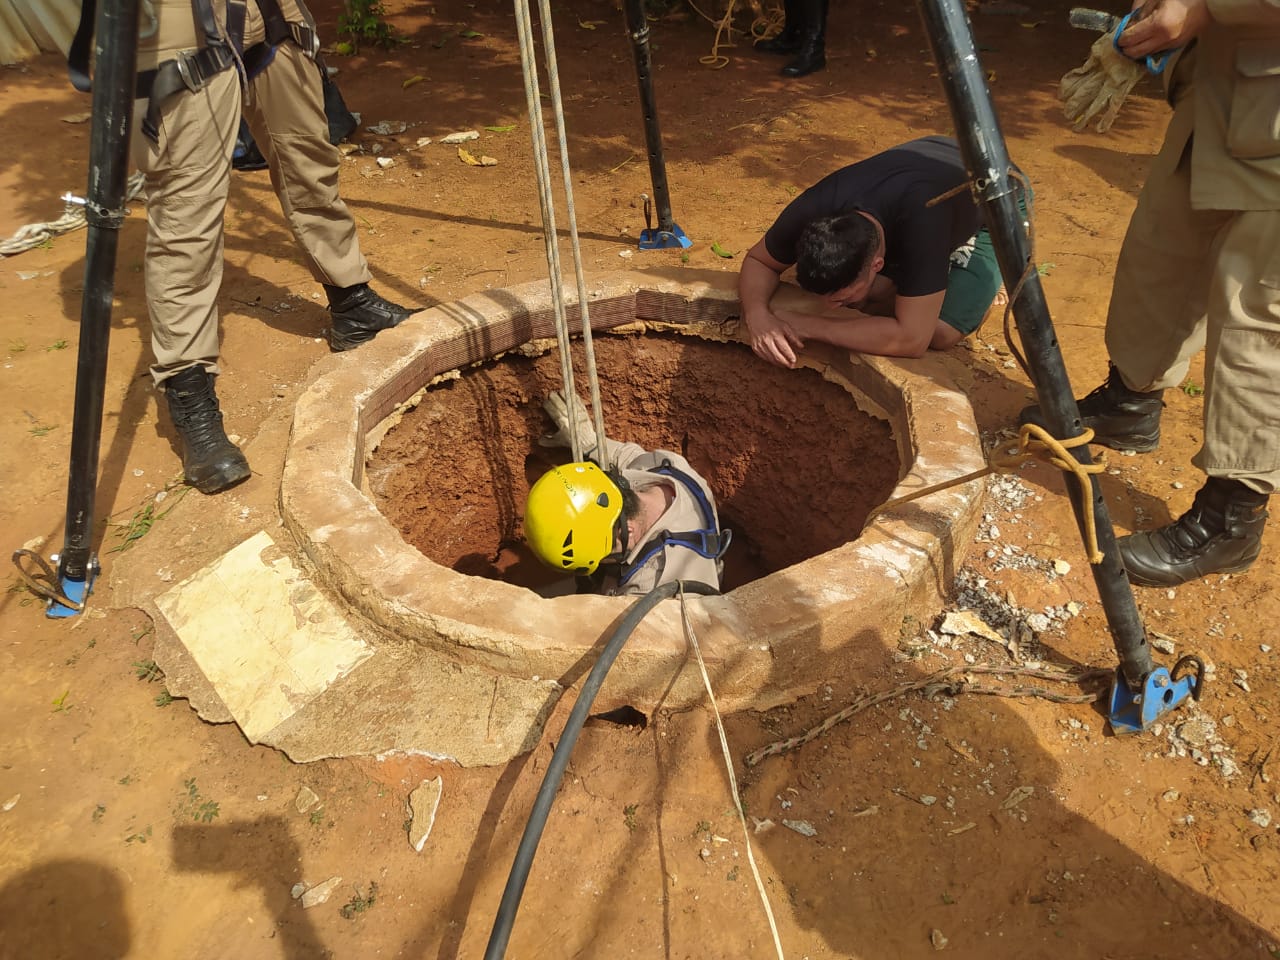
(788, 41)
(210, 462)
(1120, 418)
(811, 51)
(359, 314)
(1221, 533)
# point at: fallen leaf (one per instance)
(720, 251)
(468, 158)
(77, 118)
(506, 129)
(590, 24)
(991, 76)
(469, 34)
(418, 78)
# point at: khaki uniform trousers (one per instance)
(1189, 279)
(188, 175)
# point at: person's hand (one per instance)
(1169, 24)
(1098, 87)
(773, 339)
(558, 410)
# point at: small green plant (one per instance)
(17, 346)
(142, 837)
(1192, 389)
(629, 816)
(56, 345)
(317, 817)
(732, 875)
(146, 670)
(359, 903)
(46, 243)
(1044, 269)
(98, 811)
(362, 22)
(146, 631)
(72, 660)
(196, 806)
(42, 431)
(60, 704)
(703, 826)
(163, 698)
(684, 256)
(125, 780)
(140, 524)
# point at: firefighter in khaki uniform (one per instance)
(649, 520)
(1200, 268)
(200, 63)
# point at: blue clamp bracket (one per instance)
(1155, 62)
(655, 238)
(1162, 691)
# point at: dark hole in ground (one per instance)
(795, 465)
(625, 716)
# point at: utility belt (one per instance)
(192, 71)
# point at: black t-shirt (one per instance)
(894, 187)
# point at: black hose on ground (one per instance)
(523, 861)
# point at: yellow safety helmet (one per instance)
(570, 515)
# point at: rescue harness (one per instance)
(193, 70)
(709, 542)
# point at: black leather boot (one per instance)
(359, 314)
(1120, 418)
(811, 51)
(788, 40)
(210, 462)
(1221, 533)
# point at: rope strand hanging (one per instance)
(542, 166)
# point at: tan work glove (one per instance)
(558, 410)
(1098, 88)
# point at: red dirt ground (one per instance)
(109, 845)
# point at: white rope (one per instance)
(33, 234)
(733, 780)
(542, 165)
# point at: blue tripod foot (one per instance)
(74, 590)
(658, 239)
(1162, 692)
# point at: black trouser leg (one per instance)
(811, 53)
(788, 41)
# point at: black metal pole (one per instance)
(987, 160)
(638, 30)
(115, 56)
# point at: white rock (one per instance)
(802, 827)
(385, 162)
(305, 800)
(423, 803)
(319, 893)
(1261, 817)
(461, 137)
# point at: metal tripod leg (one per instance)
(115, 56)
(1137, 697)
(666, 234)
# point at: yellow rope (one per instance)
(764, 25)
(1034, 443)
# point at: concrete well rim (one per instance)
(767, 642)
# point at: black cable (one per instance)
(520, 866)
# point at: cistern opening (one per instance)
(795, 464)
